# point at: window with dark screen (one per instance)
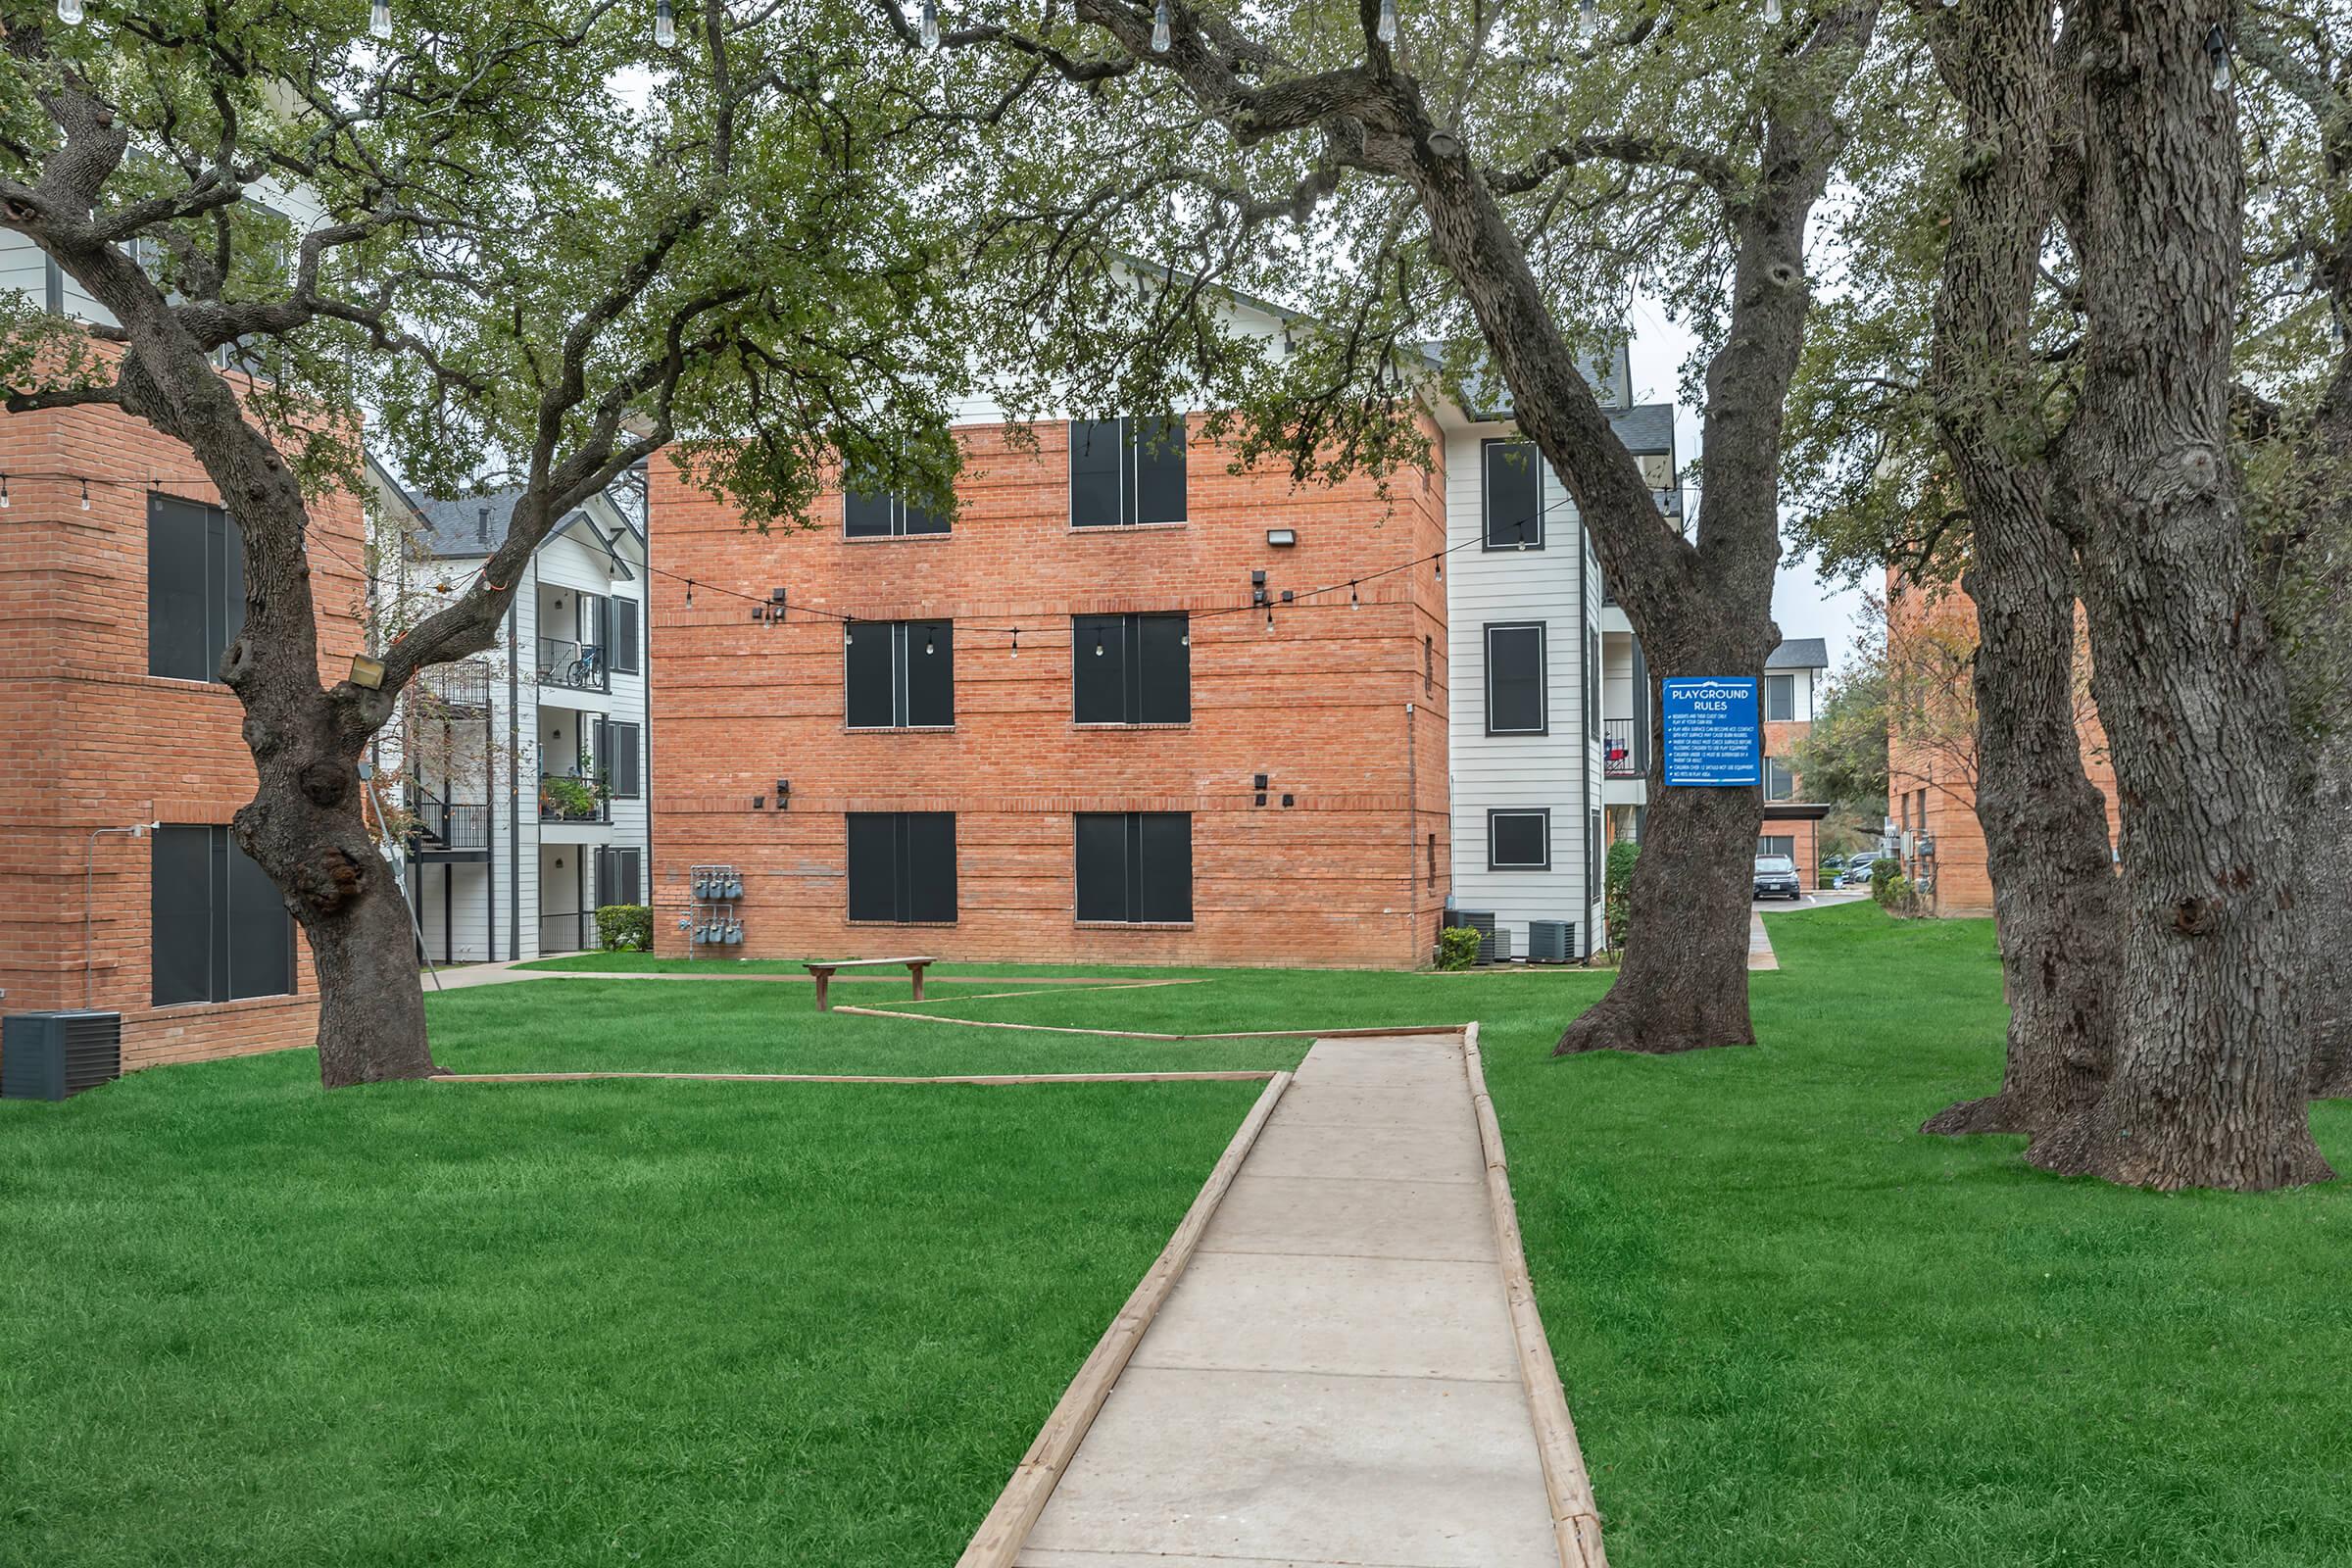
(1127, 472)
(1131, 669)
(220, 927)
(1519, 840)
(1515, 680)
(902, 867)
(1514, 496)
(1135, 867)
(898, 674)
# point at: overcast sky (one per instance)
(1804, 605)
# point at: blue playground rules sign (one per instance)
(1713, 731)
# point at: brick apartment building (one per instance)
(1144, 770)
(119, 586)
(1930, 773)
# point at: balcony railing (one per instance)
(462, 685)
(575, 667)
(1617, 756)
(565, 804)
(573, 932)
(440, 825)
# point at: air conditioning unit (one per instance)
(49, 1055)
(1481, 921)
(1551, 940)
(1496, 948)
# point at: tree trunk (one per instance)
(1683, 982)
(2208, 1081)
(2328, 862)
(2056, 904)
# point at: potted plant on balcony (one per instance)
(566, 797)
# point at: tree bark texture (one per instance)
(2324, 661)
(2056, 902)
(2208, 1081)
(304, 825)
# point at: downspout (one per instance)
(1585, 640)
(89, 894)
(514, 767)
(1412, 832)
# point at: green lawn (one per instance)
(704, 1324)
(249, 1323)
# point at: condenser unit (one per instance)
(1551, 940)
(48, 1056)
(1481, 921)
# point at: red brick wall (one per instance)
(1338, 877)
(1932, 787)
(93, 741)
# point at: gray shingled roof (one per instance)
(459, 527)
(1646, 429)
(1801, 653)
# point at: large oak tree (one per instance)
(1495, 178)
(537, 247)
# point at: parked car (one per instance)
(1857, 871)
(1777, 878)
(1832, 863)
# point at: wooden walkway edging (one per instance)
(1235, 1075)
(1575, 1517)
(1366, 1033)
(1001, 1535)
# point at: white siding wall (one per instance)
(1559, 771)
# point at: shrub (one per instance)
(1893, 890)
(626, 927)
(1617, 881)
(1457, 948)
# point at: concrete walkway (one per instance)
(1334, 1379)
(1759, 946)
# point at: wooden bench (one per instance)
(825, 974)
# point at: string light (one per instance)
(927, 648)
(690, 593)
(1353, 603)
(3, 492)
(1159, 28)
(1771, 13)
(930, 27)
(85, 495)
(379, 18)
(1016, 642)
(70, 12)
(1387, 30)
(1269, 621)
(666, 26)
(2217, 46)
(1588, 19)
(1098, 645)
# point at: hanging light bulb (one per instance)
(70, 12)
(1440, 568)
(666, 25)
(1387, 30)
(2217, 45)
(1951, 5)
(927, 648)
(930, 27)
(1185, 640)
(1771, 13)
(690, 593)
(1016, 642)
(3, 492)
(1159, 28)
(379, 18)
(1353, 603)
(849, 631)
(85, 495)
(1269, 613)
(1588, 19)
(1098, 645)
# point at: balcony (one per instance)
(1618, 754)
(573, 666)
(462, 686)
(445, 830)
(563, 799)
